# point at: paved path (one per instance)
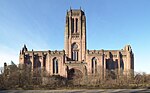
(80, 91)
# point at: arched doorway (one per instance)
(74, 74)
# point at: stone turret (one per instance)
(24, 49)
(22, 52)
(129, 60)
(128, 48)
(5, 67)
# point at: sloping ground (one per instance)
(80, 91)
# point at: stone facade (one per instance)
(75, 60)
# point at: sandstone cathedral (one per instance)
(76, 61)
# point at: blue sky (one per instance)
(40, 25)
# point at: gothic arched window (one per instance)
(74, 52)
(72, 25)
(76, 25)
(94, 65)
(122, 66)
(36, 63)
(55, 65)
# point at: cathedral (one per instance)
(76, 61)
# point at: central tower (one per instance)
(75, 35)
